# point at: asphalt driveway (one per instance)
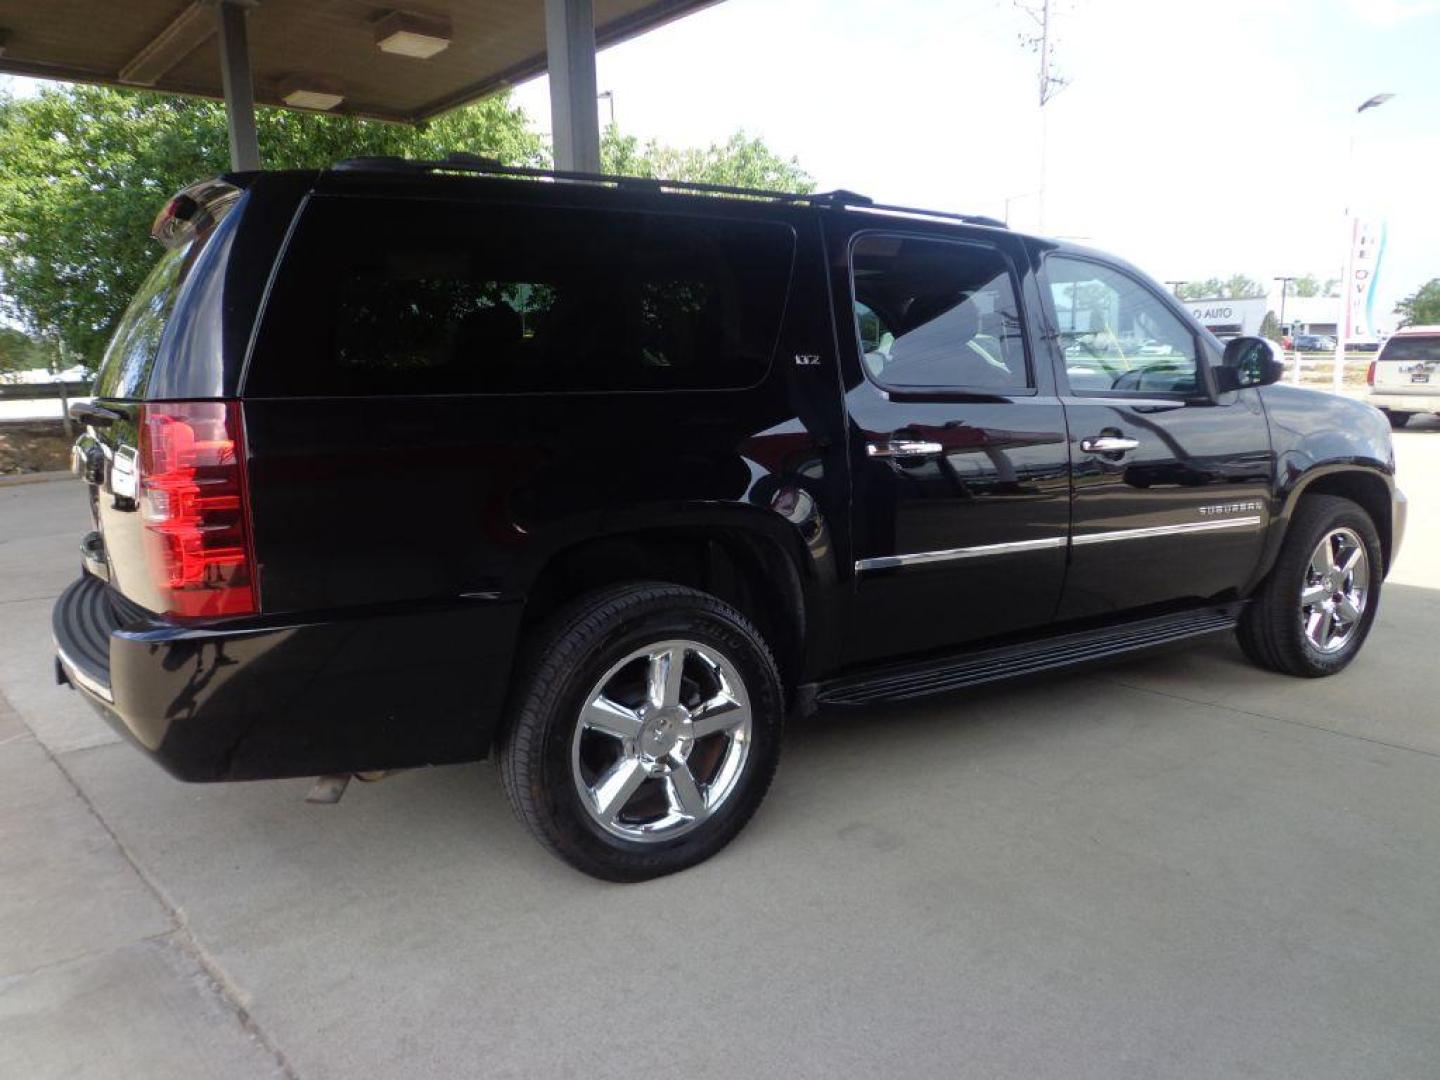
(1177, 866)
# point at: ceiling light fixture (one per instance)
(408, 33)
(311, 92)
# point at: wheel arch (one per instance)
(1368, 487)
(766, 573)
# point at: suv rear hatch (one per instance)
(1409, 364)
(166, 477)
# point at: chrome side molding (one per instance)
(887, 562)
(982, 551)
(1166, 530)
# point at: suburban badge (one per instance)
(1229, 508)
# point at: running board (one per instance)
(902, 681)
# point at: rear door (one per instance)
(1170, 495)
(957, 441)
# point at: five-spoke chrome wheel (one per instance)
(662, 740)
(1335, 591)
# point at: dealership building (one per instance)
(1227, 318)
(1310, 314)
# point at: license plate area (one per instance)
(1420, 376)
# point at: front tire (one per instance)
(1317, 605)
(647, 730)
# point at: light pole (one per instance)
(1347, 267)
(608, 95)
(1284, 291)
(1175, 286)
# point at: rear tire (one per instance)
(646, 733)
(1313, 612)
(1397, 419)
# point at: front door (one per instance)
(957, 443)
(1170, 483)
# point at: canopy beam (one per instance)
(238, 84)
(574, 114)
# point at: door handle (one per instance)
(903, 448)
(1108, 444)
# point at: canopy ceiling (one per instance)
(171, 46)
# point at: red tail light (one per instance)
(195, 508)
(1370, 374)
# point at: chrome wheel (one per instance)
(1336, 588)
(662, 741)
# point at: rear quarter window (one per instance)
(396, 297)
(1412, 348)
(177, 308)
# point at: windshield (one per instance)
(1412, 349)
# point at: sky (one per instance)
(1196, 140)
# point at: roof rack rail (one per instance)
(944, 215)
(473, 163)
(486, 166)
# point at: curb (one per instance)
(35, 478)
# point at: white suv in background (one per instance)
(1405, 378)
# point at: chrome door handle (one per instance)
(903, 448)
(1108, 444)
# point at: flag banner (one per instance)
(1367, 246)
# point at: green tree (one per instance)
(1422, 307)
(737, 162)
(1199, 290)
(1235, 287)
(1270, 326)
(16, 350)
(1240, 287)
(1309, 285)
(83, 171)
(21, 352)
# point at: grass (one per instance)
(28, 446)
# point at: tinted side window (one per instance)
(411, 297)
(1118, 336)
(937, 313)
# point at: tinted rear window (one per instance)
(130, 357)
(1411, 349)
(426, 297)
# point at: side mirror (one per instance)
(1249, 361)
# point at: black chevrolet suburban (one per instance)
(404, 463)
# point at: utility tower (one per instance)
(1041, 41)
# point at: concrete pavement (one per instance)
(1178, 866)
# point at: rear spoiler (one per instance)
(194, 210)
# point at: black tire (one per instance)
(1270, 629)
(565, 659)
(1397, 419)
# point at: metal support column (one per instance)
(239, 87)
(574, 115)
